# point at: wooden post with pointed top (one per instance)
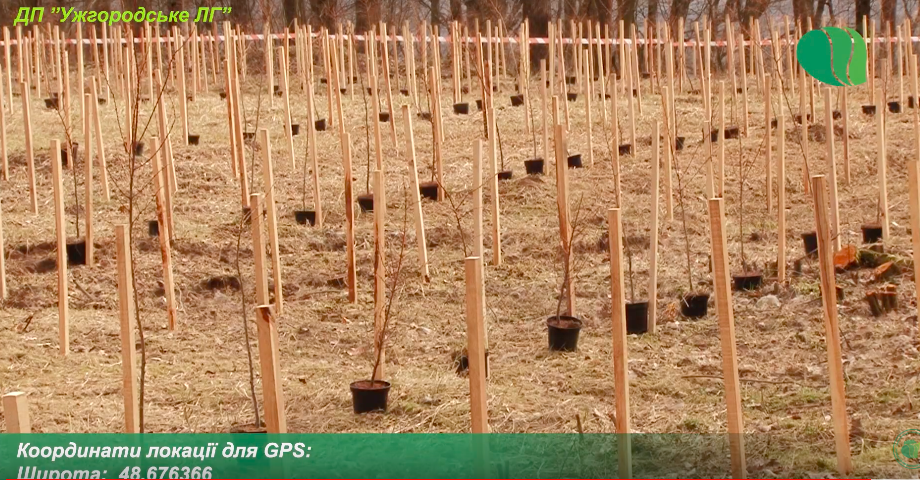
(127, 318)
(882, 177)
(30, 157)
(88, 186)
(16, 413)
(268, 183)
(721, 139)
(286, 100)
(4, 161)
(768, 140)
(476, 347)
(562, 202)
(351, 270)
(781, 198)
(61, 233)
(832, 169)
(620, 352)
(100, 144)
(829, 297)
(416, 200)
(730, 377)
(160, 186)
(380, 272)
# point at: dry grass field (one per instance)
(197, 377)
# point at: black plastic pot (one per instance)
(739, 90)
(517, 100)
(872, 233)
(279, 93)
(837, 114)
(153, 228)
(249, 136)
(747, 280)
(102, 100)
(463, 362)
(366, 202)
(76, 253)
(304, 217)
(295, 129)
(404, 92)
(534, 166)
(635, 92)
(320, 125)
(714, 135)
(894, 107)
(223, 95)
(679, 143)
(774, 123)
(571, 80)
(645, 75)
(563, 333)
(625, 149)
(732, 132)
(52, 103)
(65, 155)
(694, 305)
(479, 105)
(571, 96)
(429, 190)
(462, 108)
(505, 175)
(370, 91)
(810, 240)
(343, 90)
(575, 161)
(637, 318)
(194, 139)
(911, 102)
(138, 149)
(425, 116)
(369, 396)
(868, 109)
(797, 118)
(384, 117)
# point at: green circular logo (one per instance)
(906, 449)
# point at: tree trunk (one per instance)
(367, 14)
(653, 12)
(890, 12)
(803, 10)
(324, 12)
(456, 11)
(627, 13)
(537, 13)
(863, 9)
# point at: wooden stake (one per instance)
(61, 231)
(183, 96)
(744, 89)
(127, 319)
(913, 177)
(6, 58)
(268, 181)
(829, 296)
(3, 286)
(476, 353)
(4, 162)
(846, 136)
(478, 147)
(562, 202)
(707, 151)
(100, 147)
(669, 142)
(588, 93)
(416, 200)
(620, 351)
(160, 186)
(727, 337)
(781, 198)
(544, 109)
(803, 131)
(270, 64)
(16, 413)
(88, 186)
(493, 172)
(270, 367)
(880, 128)
(30, 158)
(768, 140)
(380, 272)
(351, 270)
(832, 168)
(81, 85)
(653, 238)
(721, 140)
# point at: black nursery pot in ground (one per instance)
(505, 175)
(52, 103)
(479, 105)
(462, 108)
(366, 202)
(868, 109)
(872, 233)
(714, 135)
(304, 217)
(404, 92)
(625, 149)
(517, 100)
(384, 117)
(571, 96)
(534, 166)
(575, 161)
(695, 305)
(894, 107)
(76, 253)
(429, 190)
(153, 228)
(425, 116)
(679, 143)
(194, 139)
(563, 333)
(911, 102)
(774, 123)
(320, 125)
(295, 129)
(810, 240)
(837, 114)
(223, 95)
(369, 395)
(65, 154)
(249, 136)
(732, 132)
(637, 318)
(102, 100)
(570, 80)
(463, 362)
(747, 280)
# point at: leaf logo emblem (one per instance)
(835, 56)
